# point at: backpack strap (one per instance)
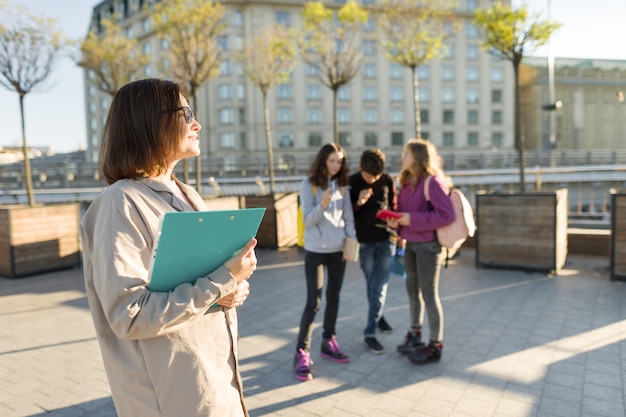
(430, 206)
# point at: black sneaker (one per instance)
(383, 326)
(412, 341)
(374, 345)
(426, 354)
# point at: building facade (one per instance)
(466, 97)
(593, 112)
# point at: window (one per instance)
(227, 140)
(147, 70)
(165, 64)
(425, 135)
(448, 117)
(345, 139)
(397, 138)
(285, 139)
(226, 68)
(424, 116)
(146, 48)
(343, 116)
(423, 73)
(370, 116)
(471, 31)
(450, 52)
(284, 92)
(370, 25)
(313, 92)
(371, 139)
(238, 43)
(396, 71)
(496, 117)
(447, 95)
(472, 95)
(471, 5)
(92, 91)
(227, 116)
(472, 73)
(315, 140)
(472, 139)
(448, 138)
(369, 71)
(242, 116)
(225, 92)
(164, 44)
(343, 94)
(236, 18)
(471, 52)
(472, 117)
(370, 93)
(396, 116)
(369, 47)
(314, 115)
(241, 91)
(145, 25)
(496, 139)
(396, 94)
(447, 73)
(92, 107)
(423, 94)
(243, 143)
(311, 70)
(224, 42)
(283, 18)
(496, 96)
(497, 74)
(285, 115)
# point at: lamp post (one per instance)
(553, 104)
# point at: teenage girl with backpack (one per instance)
(328, 220)
(423, 253)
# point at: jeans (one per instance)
(375, 259)
(314, 264)
(422, 261)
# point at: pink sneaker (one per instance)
(332, 351)
(302, 365)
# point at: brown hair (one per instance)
(141, 130)
(373, 161)
(427, 162)
(318, 173)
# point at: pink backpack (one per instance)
(453, 235)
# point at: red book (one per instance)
(388, 214)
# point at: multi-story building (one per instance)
(466, 97)
(593, 112)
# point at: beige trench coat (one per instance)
(165, 354)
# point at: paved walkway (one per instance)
(516, 344)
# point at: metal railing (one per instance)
(588, 186)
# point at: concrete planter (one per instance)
(279, 226)
(618, 234)
(38, 239)
(522, 231)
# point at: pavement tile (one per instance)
(516, 344)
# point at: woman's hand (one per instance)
(242, 265)
(326, 198)
(405, 220)
(237, 297)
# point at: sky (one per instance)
(55, 117)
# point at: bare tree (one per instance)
(268, 61)
(192, 28)
(512, 34)
(112, 58)
(331, 42)
(29, 48)
(413, 32)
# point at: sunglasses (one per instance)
(187, 113)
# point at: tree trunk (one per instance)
(416, 104)
(27, 174)
(335, 122)
(519, 138)
(268, 140)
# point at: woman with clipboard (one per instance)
(165, 353)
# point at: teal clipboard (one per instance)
(192, 244)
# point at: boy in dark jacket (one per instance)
(372, 190)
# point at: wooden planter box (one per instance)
(38, 239)
(522, 231)
(618, 234)
(279, 227)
